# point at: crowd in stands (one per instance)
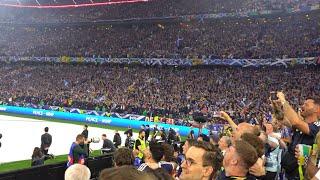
(295, 35)
(149, 9)
(250, 152)
(164, 91)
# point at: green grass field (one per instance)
(11, 166)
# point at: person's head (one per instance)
(187, 145)
(243, 128)
(255, 142)
(129, 134)
(213, 140)
(161, 174)
(124, 173)
(168, 152)
(269, 128)
(263, 136)
(142, 133)
(36, 152)
(80, 139)
(46, 129)
(154, 153)
(224, 142)
(123, 156)
(311, 107)
(200, 138)
(203, 161)
(85, 127)
(239, 158)
(77, 172)
(104, 136)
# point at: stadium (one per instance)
(159, 89)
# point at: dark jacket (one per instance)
(117, 140)
(46, 140)
(85, 133)
(38, 161)
(107, 144)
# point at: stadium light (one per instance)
(71, 5)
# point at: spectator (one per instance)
(152, 157)
(203, 161)
(307, 130)
(237, 160)
(77, 172)
(125, 172)
(224, 144)
(123, 157)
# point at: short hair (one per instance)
(316, 100)
(157, 151)
(86, 125)
(246, 152)
(191, 142)
(141, 130)
(77, 172)
(79, 137)
(228, 140)
(161, 174)
(255, 142)
(123, 156)
(36, 153)
(168, 152)
(46, 129)
(104, 135)
(212, 157)
(125, 172)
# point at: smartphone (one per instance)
(216, 114)
(273, 95)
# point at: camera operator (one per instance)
(129, 143)
(305, 129)
(38, 158)
(108, 145)
(117, 139)
(77, 153)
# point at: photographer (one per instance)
(77, 153)
(129, 143)
(38, 158)
(305, 129)
(107, 146)
(117, 139)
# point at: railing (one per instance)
(56, 171)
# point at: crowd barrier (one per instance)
(93, 119)
(56, 171)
